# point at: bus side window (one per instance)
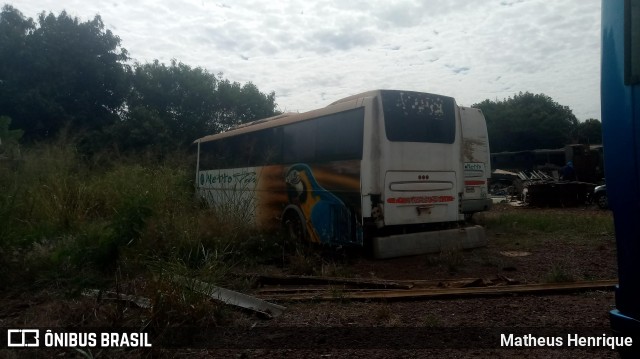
(339, 136)
(299, 142)
(268, 149)
(214, 155)
(244, 145)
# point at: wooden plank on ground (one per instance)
(444, 293)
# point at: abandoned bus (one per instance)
(380, 165)
(476, 157)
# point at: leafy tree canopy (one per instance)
(171, 106)
(589, 132)
(528, 121)
(59, 72)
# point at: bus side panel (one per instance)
(327, 195)
(231, 192)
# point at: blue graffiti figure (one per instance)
(327, 219)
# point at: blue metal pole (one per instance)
(621, 139)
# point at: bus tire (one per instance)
(293, 226)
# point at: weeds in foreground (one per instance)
(559, 273)
(301, 263)
(383, 315)
(70, 224)
(526, 221)
(451, 258)
(528, 229)
(431, 320)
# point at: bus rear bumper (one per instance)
(428, 242)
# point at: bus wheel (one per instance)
(293, 227)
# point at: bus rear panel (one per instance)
(419, 158)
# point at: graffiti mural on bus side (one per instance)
(326, 216)
(224, 178)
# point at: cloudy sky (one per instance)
(313, 52)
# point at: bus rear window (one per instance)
(418, 117)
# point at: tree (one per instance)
(14, 30)
(60, 72)
(527, 121)
(177, 101)
(171, 106)
(589, 132)
(241, 104)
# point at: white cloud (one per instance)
(313, 53)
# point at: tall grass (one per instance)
(529, 228)
(525, 221)
(66, 221)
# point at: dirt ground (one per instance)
(538, 258)
(529, 258)
(452, 328)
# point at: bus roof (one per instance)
(357, 96)
(344, 104)
(291, 117)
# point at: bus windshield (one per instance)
(418, 117)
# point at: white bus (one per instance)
(477, 161)
(384, 166)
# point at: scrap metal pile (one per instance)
(540, 189)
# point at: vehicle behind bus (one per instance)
(377, 168)
(476, 157)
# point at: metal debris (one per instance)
(443, 293)
(557, 193)
(294, 285)
(108, 295)
(313, 280)
(515, 253)
(262, 307)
